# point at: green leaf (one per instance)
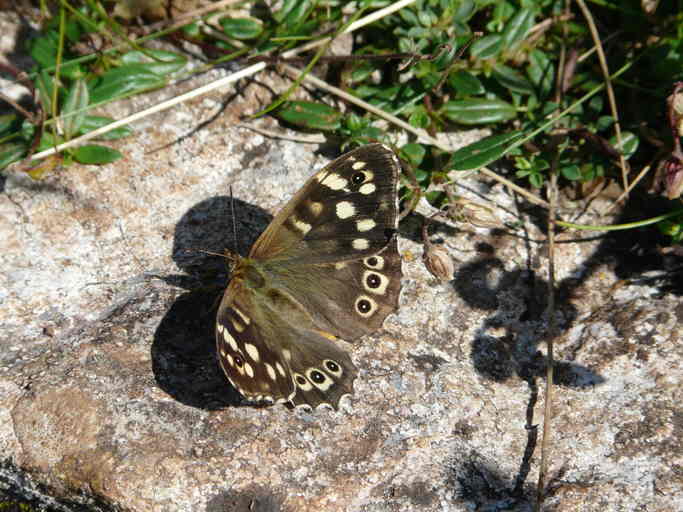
(159, 62)
(310, 115)
(414, 153)
(511, 79)
(541, 72)
(536, 179)
(241, 28)
(630, 143)
(45, 85)
(465, 83)
(75, 106)
(48, 141)
(124, 81)
(297, 12)
(571, 172)
(603, 123)
(517, 28)
(11, 152)
(487, 47)
(94, 154)
(475, 111)
(419, 117)
(91, 123)
(483, 152)
(9, 123)
(43, 49)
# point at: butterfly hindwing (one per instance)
(348, 298)
(253, 367)
(268, 359)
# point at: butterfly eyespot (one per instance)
(302, 382)
(365, 306)
(374, 262)
(332, 367)
(373, 281)
(317, 377)
(358, 178)
(239, 361)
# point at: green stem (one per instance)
(619, 227)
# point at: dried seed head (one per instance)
(439, 262)
(673, 177)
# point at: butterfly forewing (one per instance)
(326, 267)
(346, 211)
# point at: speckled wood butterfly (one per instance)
(326, 268)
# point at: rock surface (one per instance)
(110, 395)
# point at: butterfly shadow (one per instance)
(183, 354)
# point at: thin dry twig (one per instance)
(548, 409)
(610, 91)
(314, 138)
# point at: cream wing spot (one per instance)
(315, 207)
(271, 371)
(358, 165)
(360, 244)
(334, 182)
(230, 340)
(368, 175)
(345, 210)
(367, 189)
(231, 361)
(287, 354)
(365, 225)
(248, 370)
(252, 352)
(244, 317)
(280, 369)
(303, 227)
(374, 282)
(340, 265)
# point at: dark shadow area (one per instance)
(478, 482)
(19, 493)
(183, 351)
(254, 499)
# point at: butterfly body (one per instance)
(326, 268)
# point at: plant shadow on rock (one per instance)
(183, 351)
(517, 301)
(479, 482)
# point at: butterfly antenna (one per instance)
(234, 222)
(192, 250)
